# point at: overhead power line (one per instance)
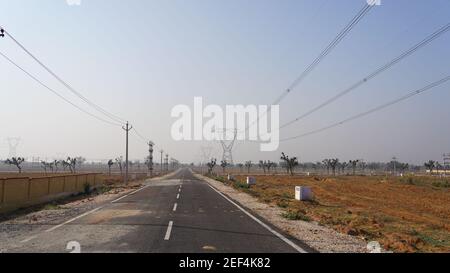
(374, 74)
(68, 86)
(378, 108)
(341, 35)
(56, 93)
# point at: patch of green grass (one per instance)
(52, 206)
(87, 188)
(103, 189)
(442, 184)
(283, 204)
(240, 185)
(296, 215)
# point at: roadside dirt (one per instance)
(409, 214)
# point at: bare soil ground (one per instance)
(409, 214)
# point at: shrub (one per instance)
(240, 185)
(87, 188)
(296, 215)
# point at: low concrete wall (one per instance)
(22, 192)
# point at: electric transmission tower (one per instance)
(228, 144)
(13, 144)
(446, 162)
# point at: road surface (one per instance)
(180, 214)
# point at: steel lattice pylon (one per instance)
(228, 145)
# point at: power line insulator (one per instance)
(2, 32)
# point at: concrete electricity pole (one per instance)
(127, 129)
(167, 162)
(162, 152)
(394, 160)
(150, 157)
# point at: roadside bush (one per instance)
(282, 204)
(441, 184)
(296, 215)
(87, 188)
(240, 185)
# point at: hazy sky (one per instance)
(140, 58)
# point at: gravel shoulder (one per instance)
(321, 238)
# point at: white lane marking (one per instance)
(28, 239)
(73, 219)
(169, 231)
(118, 199)
(175, 207)
(286, 240)
(178, 196)
(131, 193)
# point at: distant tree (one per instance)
(79, 161)
(16, 161)
(438, 167)
(430, 165)
(269, 165)
(262, 165)
(45, 166)
(56, 163)
(110, 164)
(333, 165)
(363, 166)
(211, 165)
(326, 163)
(66, 164)
(354, 164)
(343, 166)
(291, 163)
(224, 164)
(241, 167)
(248, 165)
(403, 167)
(119, 162)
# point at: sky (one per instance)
(140, 58)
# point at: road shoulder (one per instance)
(320, 238)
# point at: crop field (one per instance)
(404, 214)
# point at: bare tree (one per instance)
(343, 166)
(430, 165)
(248, 165)
(110, 164)
(327, 162)
(241, 167)
(224, 164)
(354, 164)
(333, 164)
(119, 162)
(291, 163)
(211, 165)
(262, 165)
(269, 165)
(16, 161)
(45, 166)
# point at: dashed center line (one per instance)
(175, 207)
(169, 231)
(178, 196)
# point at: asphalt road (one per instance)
(180, 214)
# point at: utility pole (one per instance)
(162, 152)
(127, 129)
(394, 160)
(150, 157)
(167, 162)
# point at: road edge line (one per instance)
(274, 232)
